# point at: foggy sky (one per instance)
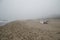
(28, 9)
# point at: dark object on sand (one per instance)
(44, 22)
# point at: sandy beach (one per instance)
(31, 30)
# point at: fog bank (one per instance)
(28, 9)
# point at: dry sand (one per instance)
(31, 30)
